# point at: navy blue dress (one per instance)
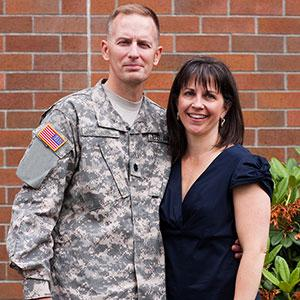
(198, 233)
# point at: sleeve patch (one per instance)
(51, 137)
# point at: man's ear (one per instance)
(157, 55)
(105, 49)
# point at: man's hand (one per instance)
(237, 249)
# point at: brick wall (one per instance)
(49, 48)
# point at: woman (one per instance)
(217, 192)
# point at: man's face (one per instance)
(131, 49)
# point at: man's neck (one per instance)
(132, 93)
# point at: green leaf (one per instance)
(298, 264)
(277, 168)
(270, 277)
(282, 189)
(295, 276)
(291, 162)
(272, 254)
(282, 268)
(292, 237)
(276, 237)
(287, 242)
(297, 150)
(284, 286)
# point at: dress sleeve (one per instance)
(253, 169)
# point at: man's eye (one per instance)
(144, 45)
(123, 43)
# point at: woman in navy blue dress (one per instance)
(217, 192)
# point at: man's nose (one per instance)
(133, 51)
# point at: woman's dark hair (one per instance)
(205, 71)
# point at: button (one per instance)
(135, 167)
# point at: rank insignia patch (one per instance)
(51, 137)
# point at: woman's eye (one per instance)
(189, 93)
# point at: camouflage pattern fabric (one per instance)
(85, 225)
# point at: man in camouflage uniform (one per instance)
(85, 224)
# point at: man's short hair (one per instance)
(131, 9)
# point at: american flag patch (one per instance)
(51, 137)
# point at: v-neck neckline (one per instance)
(201, 175)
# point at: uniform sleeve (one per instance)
(253, 169)
(46, 174)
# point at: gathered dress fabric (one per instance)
(199, 230)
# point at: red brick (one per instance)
(292, 8)
(60, 62)
(74, 43)
(159, 6)
(2, 82)
(294, 119)
(187, 24)
(28, 119)
(166, 42)
(45, 100)
(188, 43)
(2, 232)
(293, 44)
(12, 191)
(32, 81)
(280, 137)
(77, 7)
(247, 99)
(1, 162)
(75, 81)
(1, 6)
(279, 25)
(293, 154)
(2, 197)
(98, 63)
(96, 42)
(101, 7)
(11, 291)
(1, 43)
(278, 62)
(99, 24)
(2, 120)
(228, 25)
(2, 267)
(159, 81)
(32, 7)
(293, 81)
(260, 81)
(13, 157)
(14, 138)
(7, 177)
(4, 218)
(15, 62)
(60, 24)
(249, 137)
(34, 43)
(15, 24)
(247, 43)
(194, 7)
(15, 100)
(263, 118)
(160, 98)
(238, 62)
(13, 274)
(256, 7)
(275, 100)
(268, 152)
(97, 76)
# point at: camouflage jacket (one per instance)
(85, 224)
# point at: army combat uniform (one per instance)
(86, 221)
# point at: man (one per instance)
(85, 224)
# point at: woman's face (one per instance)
(200, 109)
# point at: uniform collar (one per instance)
(107, 117)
